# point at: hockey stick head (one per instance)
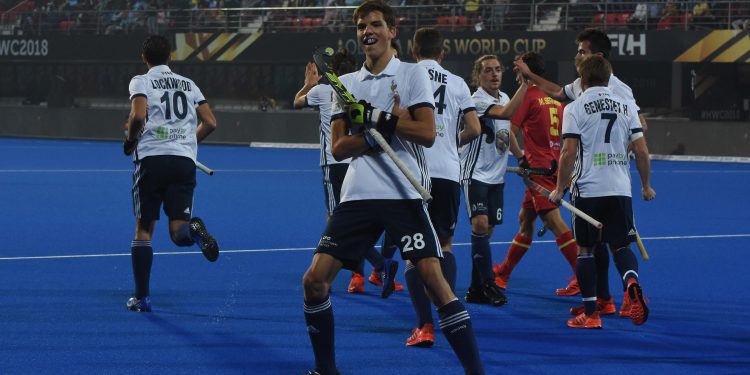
(320, 56)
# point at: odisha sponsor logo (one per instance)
(24, 47)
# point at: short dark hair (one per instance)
(594, 70)
(156, 50)
(370, 6)
(428, 43)
(342, 62)
(598, 41)
(535, 62)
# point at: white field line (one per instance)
(104, 255)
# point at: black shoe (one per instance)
(318, 373)
(390, 267)
(488, 293)
(207, 243)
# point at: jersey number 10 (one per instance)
(179, 102)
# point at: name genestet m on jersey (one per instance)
(605, 105)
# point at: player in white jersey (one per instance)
(597, 129)
(452, 103)
(590, 41)
(321, 96)
(484, 161)
(376, 196)
(168, 117)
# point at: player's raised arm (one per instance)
(550, 88)
(207, 122)
(507, 111)
(311, 79)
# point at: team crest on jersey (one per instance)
(502, 140)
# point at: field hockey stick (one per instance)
(348, 98)
(542, 231)
(543, 191)
(535, 171)
(641, 248)
(205, 169)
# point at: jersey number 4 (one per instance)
(178, 102)
(440, 99)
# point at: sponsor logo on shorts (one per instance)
(326, 241)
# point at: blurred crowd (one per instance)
(31, 17)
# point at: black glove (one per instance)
(129, 146)
(488, 129)
(364, 116)
(523, 162)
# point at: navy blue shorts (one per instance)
(163, 179)
(615, 212)
(333, 178)
(484, 199)
(355, 226)
(443, 209)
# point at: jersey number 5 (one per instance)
(180, 107)
(554, 123)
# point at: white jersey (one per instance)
(618, 88)
(604, 125)
(171, 117)
(452, 101)
(376, 176)
(482, 161)
(322, 97)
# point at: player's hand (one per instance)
(523, 162)
(363, 114)
(401, 113)
(648, 193)
(488, 129)
(311, 75)
(555, 196)
(520, 67)
(128, 146)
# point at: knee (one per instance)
(316, 288)
(480, 225)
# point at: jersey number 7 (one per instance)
(611, 117)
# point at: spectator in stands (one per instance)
(670, 17)
(639, 16)
(741, 11)
(332, 18)
(702, 16)
(499, 8)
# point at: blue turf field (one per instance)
(66, 226)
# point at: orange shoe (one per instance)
(604, 307)
(357, 285)
(586, 321)
(377, 279)
(638, 307)
(571, 290)
(423, 337)
(500, 280)
(625, 307)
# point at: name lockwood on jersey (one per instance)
(171, 83)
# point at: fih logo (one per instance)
(628, 45)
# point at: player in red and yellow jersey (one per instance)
(539, 121)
